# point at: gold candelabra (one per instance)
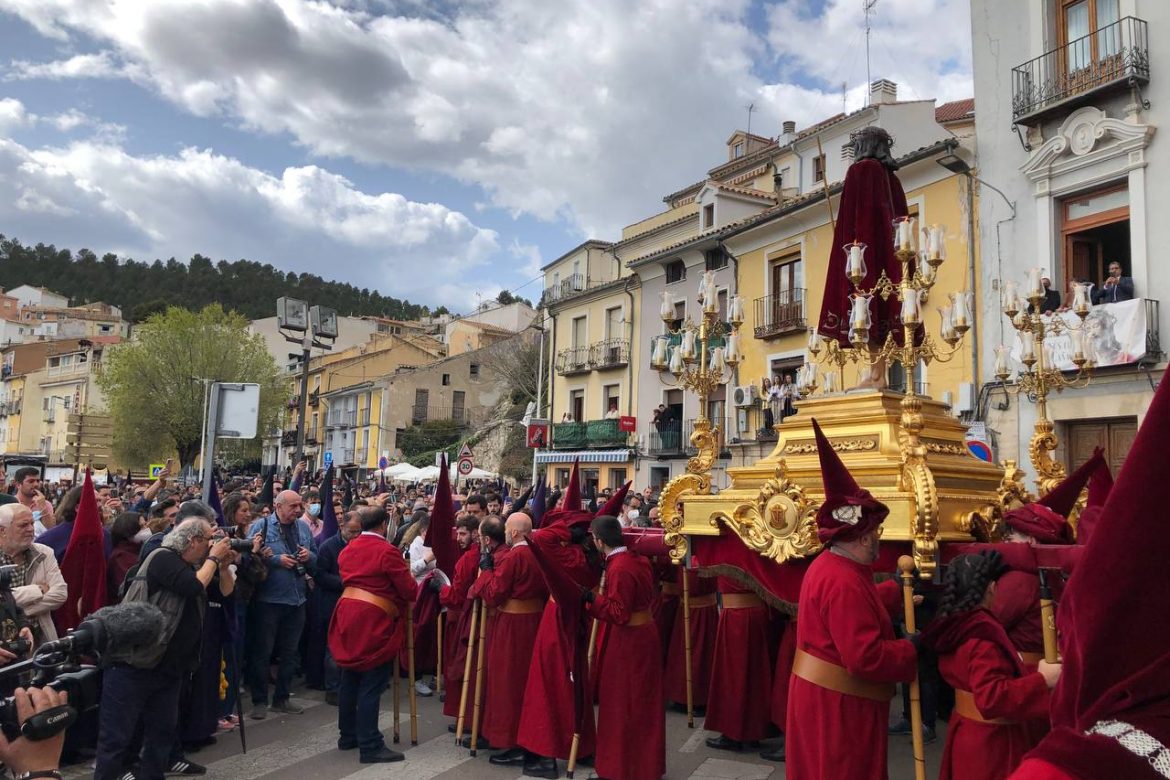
(700, 367)
(1039, 375)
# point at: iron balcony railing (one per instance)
(422, 414)
(667, 440)
(1153, 335)
(611, 353)
(574, 360)
(596, 434)
(569, 287)
(722, 436)
(779, 314)
(1117, 53)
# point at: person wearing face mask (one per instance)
(847, 659)
(127, 532)
(312, 514)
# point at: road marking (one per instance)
(696, 741)
(722, 769)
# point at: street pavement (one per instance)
(304, 746)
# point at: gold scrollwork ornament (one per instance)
(780, 523)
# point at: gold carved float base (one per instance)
(909, 452)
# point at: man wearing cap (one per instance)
(1017, 595)
(454, 598)
(516, 591)
(847, 659)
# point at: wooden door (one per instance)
(1115, 435)
(1085, 254)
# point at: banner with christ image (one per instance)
(1114, 335)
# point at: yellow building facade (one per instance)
(592, 313)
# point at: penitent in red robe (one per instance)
(872, 197)
(1017, 607)
(975, 655)
(741, 675)
(548, 719)
(458, 630)
(704, 626)
(782, 676)
(631, 723)
(363, 636)
(516, 578)
(845, 620)
(668, 606)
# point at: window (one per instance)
(611, 399)
(721, 302)
(473, 370)
(738, 150)
(709, 216)
(617, 478)
(1085, 33)
(577, 405)
(1095, 228)
(446, 379)
(896, 378)
(580, 332)
(676, 271)
(680, 314)
(819, 168)
(105, 328)
(715, 259)
(614, 325)
(458, 400)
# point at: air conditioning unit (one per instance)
(745, 395)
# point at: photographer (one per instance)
(37, 585)
(26, 757)
(142, 684)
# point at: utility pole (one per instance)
(539, 394)
(869, 4)
(308, 324)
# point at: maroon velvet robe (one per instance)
(1017, 608)
(631, 723)
(871, 199)
(511, 641)
(975, 655)
(548, 718)
(457, 631)
(704, 626)
(362, 636)
(782, 676)
(741, 670)
(845, 620)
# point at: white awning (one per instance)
(585, 456)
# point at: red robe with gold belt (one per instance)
(458, 630)
(516, 578)
(631, 723)
(547, 721)
(741, 677)
(704, 622)
(976, 656)
(845, 620)
(363, 636)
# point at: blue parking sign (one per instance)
(328, 459)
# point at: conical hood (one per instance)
(1062, 498)
(440, 533)
(266, 496)
(572, 497)
(329, 525)
(215, 502)
(848, 511)
(1100, 483)
(347, 496)
(1115, 636)
(613, 506)
(538, 505)
(84, 564)
(521, 500)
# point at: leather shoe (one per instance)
(480, 744)
(451, 728)
(722, 742)
(542, 767)
(346, 745)
(509, 757)
(773, 755)
(383, 756)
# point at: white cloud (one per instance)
(306, 219)
(12, 115)
(82, 66)
(588, 110)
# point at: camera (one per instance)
(7, 574)
(240, 545)
(300, 570)
(18, 647)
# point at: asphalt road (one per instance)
(304, 746)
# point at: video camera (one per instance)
(58, 665)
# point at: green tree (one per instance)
(156, 404)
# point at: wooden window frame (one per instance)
(1070, 227)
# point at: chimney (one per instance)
(883, 91)
(789, 133)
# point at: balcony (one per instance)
(288, 438)
(611, 353)
(779, 314)
(363, 418)
(67, 369)
(596, 434)
(571, 287)
(1116, 55)
(347, 456)
(574, 360)
(314, 399)
(666, 442)
(457, 414)
(1153, 336)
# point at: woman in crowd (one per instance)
(997, 700)
(127, 533)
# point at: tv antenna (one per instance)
(869, 4)
(751, 107)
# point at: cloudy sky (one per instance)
(432, 149)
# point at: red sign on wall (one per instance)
(627, 424)
(537, 434)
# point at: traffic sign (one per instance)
(465, 466)
(155, 468)
(383, 462)
(328, 459)
(465, 452)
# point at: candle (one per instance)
(1077, 337)
(855, 261)
(814, 341)
(688, 344)
(735, 309)
(926, 271)
(859, 315)
(666, 311)
(1081, 300)
(961, 310)
(829, 384)
(810, 373)
(1008, 299)
(1035, 289)
(1002, 366)
(659, 359)
(732, 353)
(904, 234)
(676, 360)
(707, 292)
(1027, 347)
(911, 310)
(947, 329)
(717, 363)
(935, 242)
